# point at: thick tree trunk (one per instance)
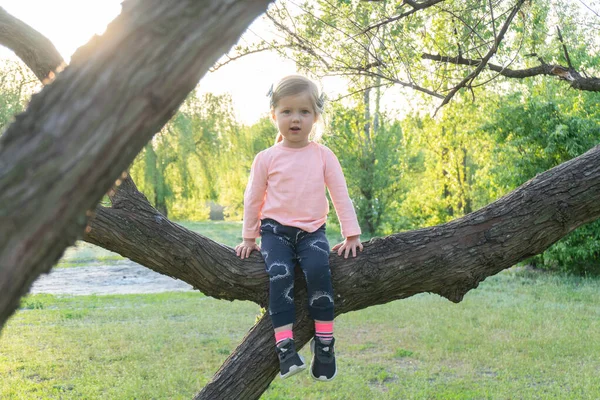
(449, 259)
(133, 228)
(255, 353)
(78, 135)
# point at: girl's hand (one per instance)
(244, 249)
(350, 244)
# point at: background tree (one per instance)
(200, 157)
(371, 159)
(437, 47)
(536, 129)
(17, 83)
(450, 161)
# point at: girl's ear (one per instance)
(273, 117)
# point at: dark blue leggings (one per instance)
(282, 247)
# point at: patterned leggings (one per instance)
(284, 246)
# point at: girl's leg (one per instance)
(313, 254)
(284, 332)
(324, 330)
(280, 259)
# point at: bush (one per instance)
(577, 253)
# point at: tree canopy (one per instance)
(437, 47)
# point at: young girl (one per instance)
(285, 204)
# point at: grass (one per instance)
(518, 336)
(83, 254)
(228, 232)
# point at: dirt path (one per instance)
(126, 277)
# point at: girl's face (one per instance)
(295, 118)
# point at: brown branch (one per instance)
(29, 45)
(415, 7)
(449, 259)
(241, 55)
(303, 44)
(132, 226)
(411, 85)
(577, 81)
(565, 49)
(589, 8)
(300, 41)
(366, 48)
(362, 90)
(465, 23)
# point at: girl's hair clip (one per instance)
(270, 92)
(321, 100)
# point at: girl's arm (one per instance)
(336, 183)
(254, 197)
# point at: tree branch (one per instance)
(132, 226)
(29, 45)
(238, 56)
(415, 7)
(486, 58)
(565, 49)
(448, 259)
(576, 80)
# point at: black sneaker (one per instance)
(290, 362)
(322, 366)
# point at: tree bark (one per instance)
(255, 353)
(134, 229)
(448, 259)
(249, 370)
(78, 135)
(29, 45)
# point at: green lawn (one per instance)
(517, 336)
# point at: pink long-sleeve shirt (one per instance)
(288, 185)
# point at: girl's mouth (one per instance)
(295, 128)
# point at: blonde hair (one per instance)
(292, 85)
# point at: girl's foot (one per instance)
(290, 362)
(322, 366)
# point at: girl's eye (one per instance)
(305, 112)
(286, 111)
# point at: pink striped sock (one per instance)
(324, 330)
(279, 336)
